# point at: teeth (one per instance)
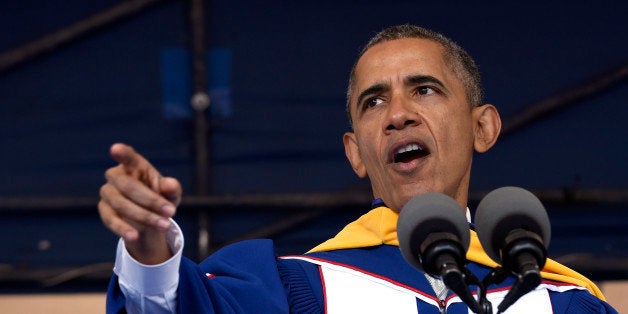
(407, 148)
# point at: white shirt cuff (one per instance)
(151, 279)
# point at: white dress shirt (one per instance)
(150, 288)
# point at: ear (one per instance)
(488, 124)
(352, 151)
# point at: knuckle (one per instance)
(155, 202)
(110, 173)
(148, 218)
(115, 204)
(106, 215)
(116, 226)
(104, 190)
(101, 210)
(123, 184)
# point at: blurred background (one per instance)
(266, 158)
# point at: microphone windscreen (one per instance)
(425, 214)
(506, 209)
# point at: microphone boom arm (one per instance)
(444, 256)
(526, 252)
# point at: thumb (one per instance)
(171, 189)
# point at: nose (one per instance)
(401, 114)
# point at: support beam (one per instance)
(47, 43)
(200, 103)
(561, 101)
(273, 229)
(283, 202)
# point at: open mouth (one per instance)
(408, 153)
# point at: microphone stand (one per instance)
(525, 254)
(443, 255)
(459, 281)
(526, 282)
(445, 258)
(484, 304)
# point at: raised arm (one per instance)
(136, 204)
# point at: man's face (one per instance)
(413, 126)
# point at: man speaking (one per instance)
(415, 103)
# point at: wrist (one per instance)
(150, 248)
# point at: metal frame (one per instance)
(203, 203)
(47, 43)
(588, 88)
(281, 202)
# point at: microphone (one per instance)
(434, 236)
(514, 230)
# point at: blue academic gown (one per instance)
(247, 277)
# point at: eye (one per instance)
(372, 102)
(426, 90)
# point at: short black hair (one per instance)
(458, 60)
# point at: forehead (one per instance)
(393, 60)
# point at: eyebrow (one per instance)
(422, 79)
(373, 90)
(409, 80)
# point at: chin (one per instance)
(407, 195)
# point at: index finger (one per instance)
(135, 164)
